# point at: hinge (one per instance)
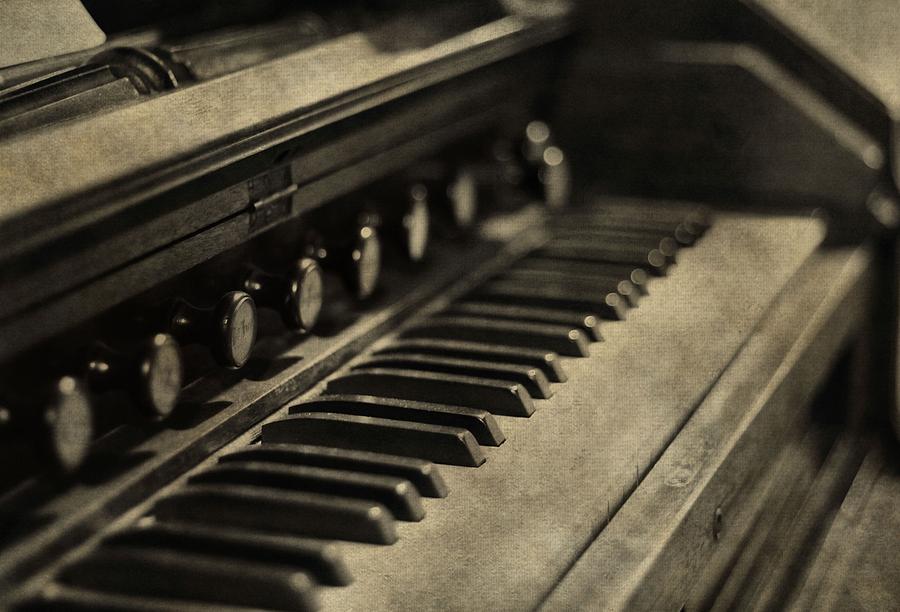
(270, 198)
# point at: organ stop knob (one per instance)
(296, 295)
(401, 211)
(549, 164)
(151, 373)
(415, 223)
(57, 417)
(69, 421)
(228, 329)
(365, 262)
(452, 190)
(357, 261)
(462, 195)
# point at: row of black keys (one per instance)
(346, 464)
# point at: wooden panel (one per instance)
(77, 306)
(147, 148)
(722, 121)
(97, 257)
(857, 566)
(665, 537)
(510, 528)
(219, 408)
(380, 140)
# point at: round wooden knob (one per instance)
(150, 373)
(537, 139)
(462, 194)
(353, 255)
(549, 162)
(160, 376)
(296, 295)
(365, 262)
(68, 424)
(228, 329)
(416, 221)
(306, 294)
(555, 175)
(235, 326)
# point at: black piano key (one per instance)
(653, 261)
(495, 396)
(685, 235)
(532, 379)
(319, 558)
(567, 281)
(695, 220)
(423, 474)
(72, 599)
(193, 577)
(590, 223)
(560, 339)
(438, 443)
(294, 513)
(480, 422)
(607, 303)
(635, 275)
(608, 245)
(592, 227)
(588, 323)
(609, 236)
(396, 494)
(547, 361)
(681, 232)
(625, 243)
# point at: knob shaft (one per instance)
(296, 295)
(228, 329)
(151, 373)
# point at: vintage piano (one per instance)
(471, 305)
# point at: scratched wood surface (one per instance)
(219, 408)
(659, 550)
(856, 566)
(510, 528)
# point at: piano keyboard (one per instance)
(544, 393)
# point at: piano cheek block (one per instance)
(438, 443)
